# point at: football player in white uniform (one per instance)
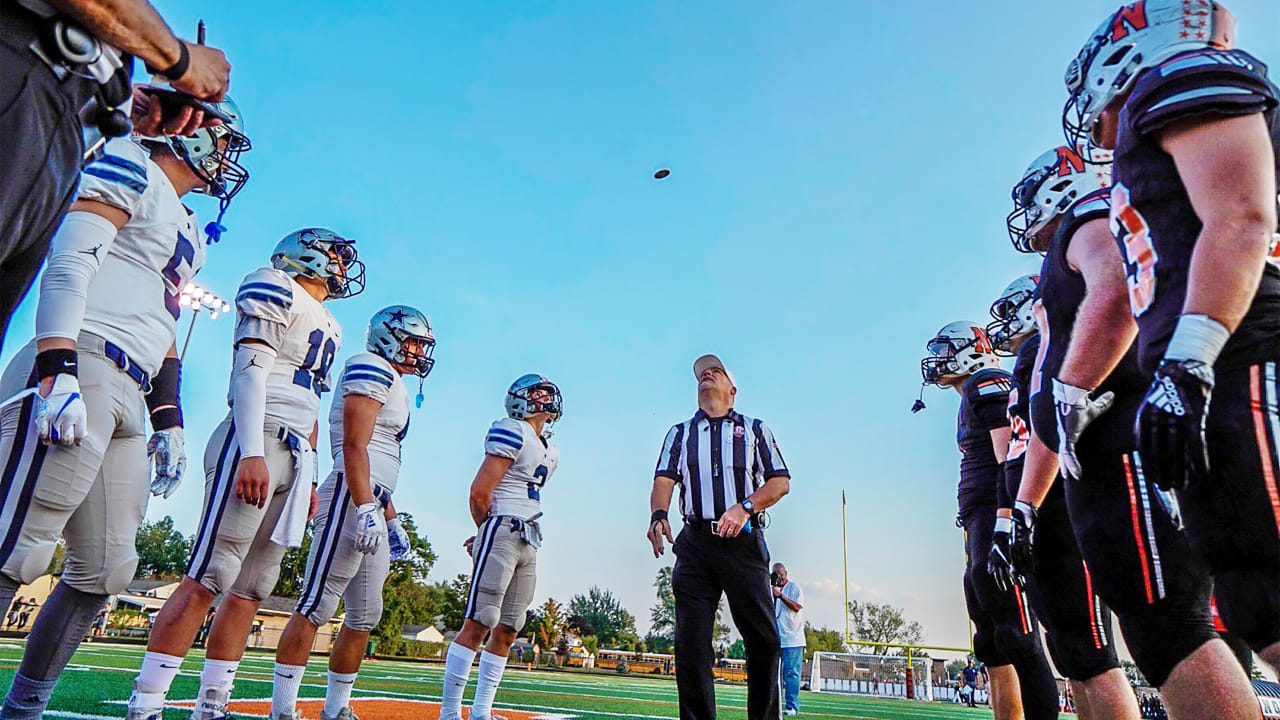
(74, 449)
(259, 464)
(505, 504)
(356, 534)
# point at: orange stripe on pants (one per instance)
(1260, 430)
(1137, 530)
(1093, 611)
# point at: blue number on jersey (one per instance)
(541, 475)
(182, 251)
(311, 374)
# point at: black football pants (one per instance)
(41, 145)
(707, 566)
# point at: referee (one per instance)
(60, 60)
(729, 468)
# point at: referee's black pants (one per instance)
(706, 566)
(41, 145)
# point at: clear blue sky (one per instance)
(840, 179)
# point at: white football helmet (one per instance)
(1138, 36)
(959, 348)
(1014, 313)
(402, 335)
(1049, 187)
(323, 254)
(520, 405)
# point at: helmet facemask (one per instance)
(1014, 319)
(415, 351)
(952, 355)
(345, 271)
(551, 405)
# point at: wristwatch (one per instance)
(749, 506)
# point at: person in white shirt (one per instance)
(788, 610)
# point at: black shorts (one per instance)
(1233, 516)
(989, 606)
(1140, 561)
(1077, 620)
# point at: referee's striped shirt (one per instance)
(718, 462)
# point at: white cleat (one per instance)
(145, 706)
(213, 705)
(345, 713)
(288, 716)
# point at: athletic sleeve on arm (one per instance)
(769, 454)
(263, 305)
(75, 254)
(249, 370)
(363, 375)
(669, 457)
(504, 439)
(117, 178)
(1204, 82)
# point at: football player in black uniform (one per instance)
(1077, 622)
(1127, 530)
(1194, 127)
(1006, 636)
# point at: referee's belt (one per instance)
(126, 365)
(711, 525)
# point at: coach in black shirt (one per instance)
(729, 468)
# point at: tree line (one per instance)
(597, 617)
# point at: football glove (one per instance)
(397, 540)
(1075, 410)
(999, 563)
(61, 417)
(370, 528)
(1170, 424)
(170, 454)
(1020, 542)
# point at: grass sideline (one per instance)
(97, 684)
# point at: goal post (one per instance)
(893, 671)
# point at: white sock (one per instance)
(338, 694)
(487, 679)
(457, 670)
(157, 673)
(153, 681)
(284, 688)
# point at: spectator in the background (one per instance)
(788, 612)
(14, 609)
(969, 677)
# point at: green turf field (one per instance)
(101, 675)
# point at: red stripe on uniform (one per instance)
(1093, 612)
(1022, 611)
(1137, 530)
(1260, 430)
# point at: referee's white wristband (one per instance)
(1197, 337)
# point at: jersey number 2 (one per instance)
(1134, 234)
(539, 474)
(312, 373)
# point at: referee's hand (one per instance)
(733, 520)
(658, 530)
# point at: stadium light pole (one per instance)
(844, 540)
(198, 298)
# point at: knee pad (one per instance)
(36, 562)
(985, 649)
(320, 612)
(1080, 659)
(220, 575)
(1164, 634)
(364, 619)
(1014, 644)
(118, 577)
(256, 588)
(1249, 604)
(488, 611)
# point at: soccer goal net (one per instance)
(875, 675)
